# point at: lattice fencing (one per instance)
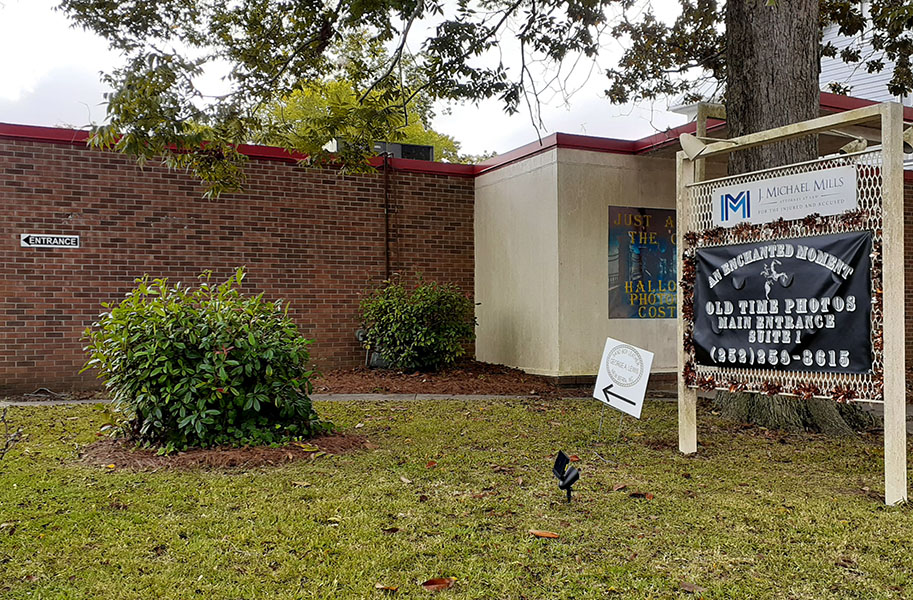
(700, 232)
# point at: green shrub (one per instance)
(425, 328)
(203, 367)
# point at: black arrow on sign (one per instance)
(607, 393)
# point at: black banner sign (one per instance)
(799, 304)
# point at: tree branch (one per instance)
(472, 48)
(9, 439)
(397, 55)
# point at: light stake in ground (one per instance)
(566, 476)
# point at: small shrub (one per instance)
(422, 328)
(203, 367)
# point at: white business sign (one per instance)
(826, 192)
(48, 240)
(622, 379)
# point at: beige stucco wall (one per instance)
(541, 262)
(516, 267)
(588, 183)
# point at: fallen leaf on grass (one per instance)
(646, 495)
(306, 447)
(845, 562)
(359, 425)
(301, 484)
(543, 534)
(386, 588)
(390, 530)
(430, 464)
(619, 486)
(573, 458)
(437, 584)
(405, 480)
(692, 588)
(110, 466)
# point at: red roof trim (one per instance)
(829, 102)
(80, 137)
(595, 144)
(44, 134)
(270, 153)
(520, 153)
(426, 167)
(670, 136)
(559, 140)
(837, 103)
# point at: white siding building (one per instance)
(861, 83)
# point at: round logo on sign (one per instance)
(624, 365)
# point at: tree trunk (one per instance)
(793, 414)
(772, 67)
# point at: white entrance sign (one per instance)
(48, 240)
(622, 379)
(825, 192)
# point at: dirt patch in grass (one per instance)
(123, 455)
(465, 377)
(45, 394)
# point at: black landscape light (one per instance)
(566, 476)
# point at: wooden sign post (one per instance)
(789, 274)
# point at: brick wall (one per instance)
(309, 236)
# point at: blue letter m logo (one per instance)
(728, 203)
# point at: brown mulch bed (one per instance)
(123, 455)
(465, 377)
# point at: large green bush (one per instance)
(203, 366)
(425, 327)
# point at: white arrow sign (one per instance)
(622, 379)
(48, 240)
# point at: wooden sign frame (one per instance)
(889, 379)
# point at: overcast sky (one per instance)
(49, 75)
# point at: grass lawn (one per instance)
(752, 515)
